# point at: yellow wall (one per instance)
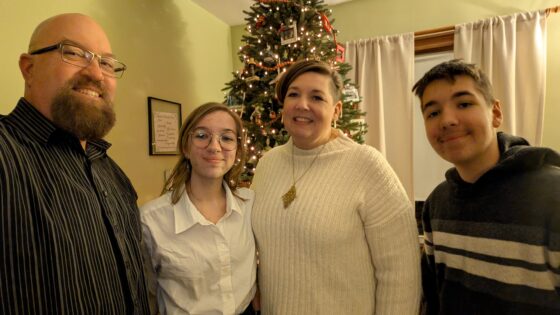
(174, 50)
(370, 18)
(177, 51)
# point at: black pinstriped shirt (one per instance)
(69, 224)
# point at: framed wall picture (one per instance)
(351, 94)
(164, 121)
(288, 34)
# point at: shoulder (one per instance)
(541, 185)
(269, 161)
(7, 136)
(362, 152)
(245, 193)
(370, 161)
(162, 203)
(5, 141)
(274, 153)
(441, 192)
(13, 150)
(245, 198)
(367, 153)
(526, 166)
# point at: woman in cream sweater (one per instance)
(335, 231)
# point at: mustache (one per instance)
(81, 81)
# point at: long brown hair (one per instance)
(182, 171)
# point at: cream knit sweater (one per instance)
(348, 243)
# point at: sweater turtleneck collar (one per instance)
(339, 142)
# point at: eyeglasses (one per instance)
(201, 138)
(78, 56)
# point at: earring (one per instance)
(334, 122)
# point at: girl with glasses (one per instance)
(198, 232)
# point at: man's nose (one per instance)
(448, 118)
(94, 69)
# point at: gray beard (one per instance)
(85, 120)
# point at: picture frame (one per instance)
(164, 124)
(351, 94)
(289, 34)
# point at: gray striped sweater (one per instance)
(493, 247)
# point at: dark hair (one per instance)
(304, 66)
(182, 171)
(451, 69)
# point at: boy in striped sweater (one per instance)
(492, 229)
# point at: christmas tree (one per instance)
(280, 32)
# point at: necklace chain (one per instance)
(290, 195)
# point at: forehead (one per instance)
(217, 120)
(312, 80)
(75, 27)
(443, 89)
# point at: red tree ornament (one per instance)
(260, 21)
(326, 23)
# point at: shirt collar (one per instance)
(31, 122)
(186, 215)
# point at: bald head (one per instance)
(75, 97)
(71, 26)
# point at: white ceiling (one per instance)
(231, 11)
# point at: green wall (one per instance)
(174, 50)
(370, 18)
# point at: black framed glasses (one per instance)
(202, 137)
(78, 56)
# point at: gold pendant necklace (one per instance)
(290, 195)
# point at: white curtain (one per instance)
(383, 69)
(512, 52)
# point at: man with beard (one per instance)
(69, 225)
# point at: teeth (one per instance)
(301, 119)
(88, 92)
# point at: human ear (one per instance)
(186, 152)
(337, 110)
(496, 114)
(26, 67)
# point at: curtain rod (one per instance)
(434, 32)
(555, 9)
(446, 30)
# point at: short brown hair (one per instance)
(304, 66)
(182, 171)
(451, 69)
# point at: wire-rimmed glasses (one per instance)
(75, 55)
(202, 137)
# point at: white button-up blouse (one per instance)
(201, 267)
